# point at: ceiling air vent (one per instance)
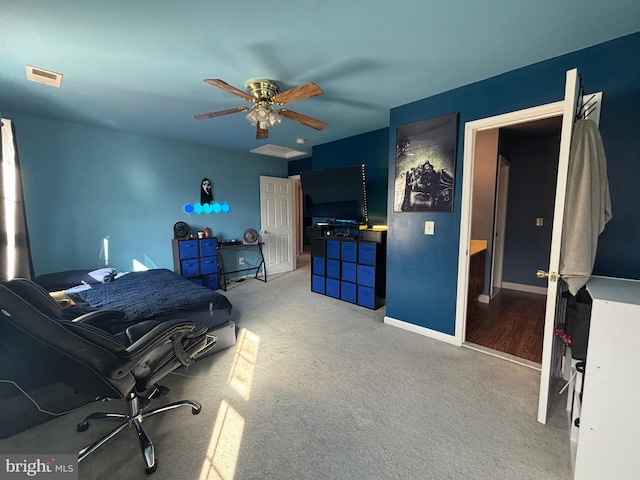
(44, 76)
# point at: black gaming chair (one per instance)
(85, 356)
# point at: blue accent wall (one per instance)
(422, 270)
(369, 148)
(299, 165)
(82, 183)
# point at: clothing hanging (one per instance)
(587, 205)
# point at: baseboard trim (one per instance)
(426, 332)
(482, 298)
(524, 288)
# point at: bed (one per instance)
(159, 294)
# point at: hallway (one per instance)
(512, 323)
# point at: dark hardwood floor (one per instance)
(512, 323)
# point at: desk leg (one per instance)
(262, 262)
(222, 275)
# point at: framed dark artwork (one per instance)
(426, 165)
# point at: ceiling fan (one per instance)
(265, 95)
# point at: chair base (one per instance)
(133, 418)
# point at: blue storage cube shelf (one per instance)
(367, 253)
(333, 249)
(211, 281)
(197, 260)
(348, 292)
(208, 265)
(208, 247)
(349, 272)
(366, 275)
(188, 249)
(190, 267)
(350, 269)
(349, 251)
(333, 268)
(366, 297)
(333, 287)
(317, 284)
(318, 266)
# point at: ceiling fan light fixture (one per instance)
(265, 94)
(274, 117)
(252, 117)
(265, 115)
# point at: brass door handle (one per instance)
(553, 276)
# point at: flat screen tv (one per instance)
(335, 195)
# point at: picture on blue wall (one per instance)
(206, 191)
(425, 165)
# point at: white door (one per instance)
(276, 210)
(500, 222)
(555, 306)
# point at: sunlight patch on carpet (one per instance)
(244, 363)
(222, 455)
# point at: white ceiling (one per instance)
(138, 66)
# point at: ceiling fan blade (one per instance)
(261, 133)
(298, 93)
(204, 116)
(228, 88)
(303, 119)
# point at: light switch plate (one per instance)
(429, 228)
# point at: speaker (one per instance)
(181, 231)
(250, 237)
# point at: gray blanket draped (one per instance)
(587, 206)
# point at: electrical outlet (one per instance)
(241, 261)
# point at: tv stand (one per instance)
(349, 269)
(331, 229)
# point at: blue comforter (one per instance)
(158, 293)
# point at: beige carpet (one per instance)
(321, 389)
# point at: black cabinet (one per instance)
(197, 260)
(348, 269)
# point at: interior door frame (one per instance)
(471, 129)
(499, 225)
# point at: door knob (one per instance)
(553, 276)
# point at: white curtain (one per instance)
(15, 253)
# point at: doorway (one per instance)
(512, 213)
(518, 119)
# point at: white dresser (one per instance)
(608, 438)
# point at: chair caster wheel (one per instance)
(196, 411)
(82, 426)
(149, 471)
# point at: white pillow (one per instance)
(103, 275)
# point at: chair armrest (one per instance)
(100, 318)
(172, 330)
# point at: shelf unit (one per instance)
(197, 260)
(349, 269)
(604, 438)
